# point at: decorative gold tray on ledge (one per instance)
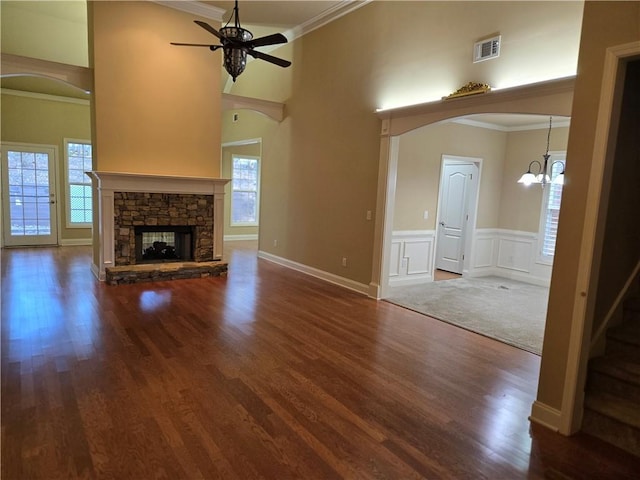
(471, 88)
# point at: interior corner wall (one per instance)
(605, 24)
(156, 106)
(48, 122)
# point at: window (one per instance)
(551, 196)
(78, 161)
(245, 178)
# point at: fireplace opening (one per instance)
(157, 244)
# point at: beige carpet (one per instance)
(510, 311)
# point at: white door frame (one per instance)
(53, 181)
(472, 205)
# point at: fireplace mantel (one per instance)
(109, 182)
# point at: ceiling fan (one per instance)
(236, 42)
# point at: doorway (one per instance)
(457, 205)
(29, 197)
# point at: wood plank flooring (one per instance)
(266, 374)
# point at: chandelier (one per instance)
(542, 170)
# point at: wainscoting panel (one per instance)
(394, 258)
(411, 259)
(515, 254)
(418, 255)
(483, 251)
(508, 253)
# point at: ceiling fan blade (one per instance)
(275, 60)
(208, 28)
(196, 45)
(268, 40)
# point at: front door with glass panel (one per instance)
(28, 195)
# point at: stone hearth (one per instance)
(128, 200)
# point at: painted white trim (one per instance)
(340, 9)
(196, 8)
(578, 351)
(75, 242)
(67, 189)
(502, 128)
(109, 182)
(241, 143)
(95, 269)
(400, 267)
(72, 75)
(54, 173)
(314, 272)
(237, 238)
(273, 110)
(545, 415)
(44, 96)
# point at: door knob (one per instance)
(442, 223)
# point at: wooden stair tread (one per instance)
(614, 407)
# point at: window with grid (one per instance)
(245, 178)
(551, 197)
(79, 205)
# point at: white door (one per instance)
(453, 215)
(28, 195)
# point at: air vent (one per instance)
(486, 49)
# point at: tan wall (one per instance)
(156, 106)
(33, 120)
(419, 169)
(322, 174)
(520, 206)
(55, 31)
(604, 24)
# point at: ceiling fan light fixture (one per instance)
(237, 43)
(235, 59)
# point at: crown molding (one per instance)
(194, 7)
(328, 16)
(519, 128)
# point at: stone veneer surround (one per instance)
(109, 184)
(132, 209)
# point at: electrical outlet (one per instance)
(344, 261)
(275, 243)
(368, 214)
(426, 214)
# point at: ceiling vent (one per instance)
(486, 49)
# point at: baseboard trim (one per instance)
(96, 272)
(236, 238)
(545, 415)
(75, 242)
(412, 280)
(314, 272)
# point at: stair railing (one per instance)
(616, 303)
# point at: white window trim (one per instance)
(67, 190)
(246, 224)
(547, 259)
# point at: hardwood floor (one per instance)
(268, 373)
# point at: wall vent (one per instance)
(486, 49)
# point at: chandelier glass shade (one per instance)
(540, 173)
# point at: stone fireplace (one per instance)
(176, 220)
